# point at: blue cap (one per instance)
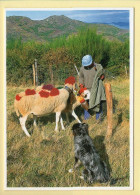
(87, 60)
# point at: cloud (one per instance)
(100, 15)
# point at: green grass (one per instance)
(43, 160)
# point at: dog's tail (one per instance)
(105, 174)
(115, 180)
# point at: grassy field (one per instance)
(43, 160)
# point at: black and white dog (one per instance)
(95, 169)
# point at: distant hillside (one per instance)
(56, 26)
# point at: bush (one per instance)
(56, 59)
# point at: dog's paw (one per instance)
(81, 177)
(70, 170)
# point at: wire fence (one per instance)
(54, 75)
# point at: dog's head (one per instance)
(80, 129)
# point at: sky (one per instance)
(119, 18)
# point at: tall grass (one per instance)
(44, 159)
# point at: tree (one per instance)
(119, 58)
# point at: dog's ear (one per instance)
(84, 129)
(76, 126)
(85, 125)
(80, 129)
(75, 129)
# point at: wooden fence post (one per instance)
(109, 108)
(36, 75)
(33, 74)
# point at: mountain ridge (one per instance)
(56, 26)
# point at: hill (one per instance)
(54, 27)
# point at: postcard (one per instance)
(68, 97)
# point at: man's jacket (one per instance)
(97, 91)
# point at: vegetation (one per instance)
(57, 58)
(119, 58)
(44, 159)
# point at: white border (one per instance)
(131, 39)
(5, 106)
(131, 50)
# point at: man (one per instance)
(91, 77)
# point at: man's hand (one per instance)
(81, 85)
(102, 77)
